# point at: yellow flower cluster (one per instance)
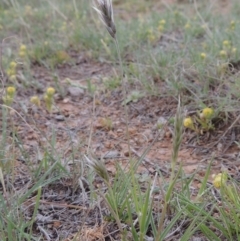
(203, 56)
(232, 25)
(227, 49)
(151, 36)
(207, 113)
(187, 26)
(22, 51)
(219, 180)
(223, 53)
(161, 25)
(28, 10)
(188, 122)
(234, 50)
(12, 70)
(9, 97)
(48, 97)
(205, 120)
(35, 100)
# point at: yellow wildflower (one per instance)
(35, 100)
(22, 51)
(234, 50)
(11, 72)
(28, 10)
(11, 90)
(12, 77)
(50, 91)
(23, 47)
(207, 112)
(22, 54)
(232, 25)
(13, 65)
(223, 53)
(188, 123)
(162, 22)
(187, 26)
(226, 44)
(160, 28)
(203, 56)
(219, 180)
(48, 101)
(7, 100)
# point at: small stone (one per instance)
(75, 92)
(161, 121)
(111, 154)
(59, 118)
(219, 147)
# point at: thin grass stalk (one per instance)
(105, 11)
(174, 176)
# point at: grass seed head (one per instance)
(105, 11)
(99, 167)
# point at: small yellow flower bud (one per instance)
(23, 47)
(13, 78)
(188, 123)
(7, 100)
(162, 22)
(48, 101)
(11, 72)
(151, 37)
(13, 65)
(232, 25)
(207, 112)
(50, 91)
(22, 54)
(219, 180)
(203, 56)
(226, 44)
(223, 53)
(187, 26)
(35, 100)
(11, 90)
(234, 50)
(160, 28)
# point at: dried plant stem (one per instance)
(124, 96)
(177, 139)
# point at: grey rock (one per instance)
(75, 92)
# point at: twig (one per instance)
(147, 161)
(228, 129)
